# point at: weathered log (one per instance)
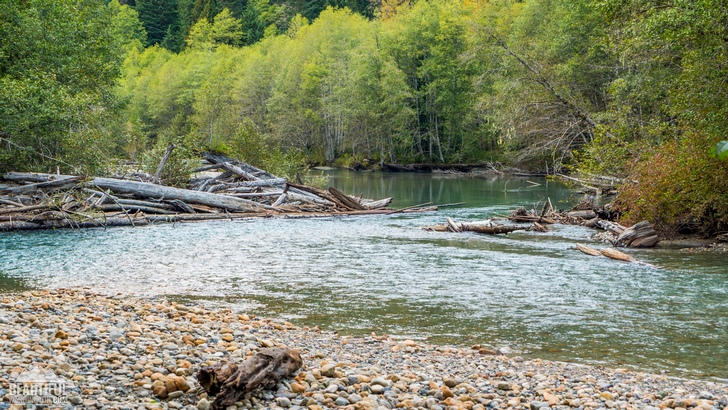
(134, 208)
(253, 194)
(615, 254)
(263, 182)
(345, 200)
(239, 172)
(588, 214)
(207, 168)
(131, 202)
(485, 227)
(147, 190)
(181, 206)
(34, 177)
(640, 235)
(70, 223)
(212, 378)
(55, 184)
(592, 223)
(304, 197)
(163, 162)
(9, 202)
(612, 227)
(220, 158)
(24, 208)
(281, 199)
(452, 226)
(491, 229)
(588, 250)
(609, 253)
(531, 218)
(382, 203)
(232, 382)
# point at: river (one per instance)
(531, 292)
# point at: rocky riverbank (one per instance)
(114, 352)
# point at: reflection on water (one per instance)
(532, 292)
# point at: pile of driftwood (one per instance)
(640, 235)
(236, 190)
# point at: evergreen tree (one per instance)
(161, 20)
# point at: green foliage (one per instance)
(59, 63)
(181, 163)
(249, 144)
(680, 188)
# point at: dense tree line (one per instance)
(620, 87)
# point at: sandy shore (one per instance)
(124, 353)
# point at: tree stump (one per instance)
(231, 381)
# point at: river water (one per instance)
(531, 292)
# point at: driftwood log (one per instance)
(610, 253)
(147, 190)
(230, 382)
(486, 227)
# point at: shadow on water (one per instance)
(531, 292)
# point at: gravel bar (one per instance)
(119, 352)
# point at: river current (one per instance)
(530, 292)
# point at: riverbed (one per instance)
(532, 293)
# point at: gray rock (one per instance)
(377, 388)
(75, 399)
(328, 370)
(283, 402)
(341, 402)
(203, 404)
(381, 381)
(536, 405)
(354, 398)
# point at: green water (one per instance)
(531, 292)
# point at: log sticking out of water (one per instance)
(610, 253)
(231, 382)
(486, 227)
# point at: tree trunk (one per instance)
(146, 190)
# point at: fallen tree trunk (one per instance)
(611, 253)
(345, 200)
(24, 209)
(588, 214)
(34, 177)
(231, 382)
(239, 172)
(70, 223)
(134, 208)
(382, 203)
(486, 227)
(147, 190)
(55, 184)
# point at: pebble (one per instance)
(203, 404)
(124, 353)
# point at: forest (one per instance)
(631, 89)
